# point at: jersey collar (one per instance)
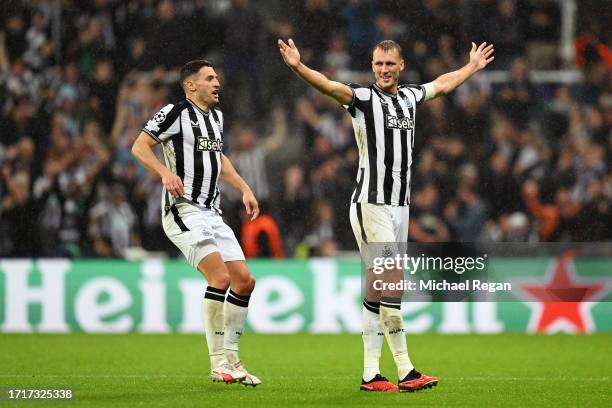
(385, 92)
(198, 108)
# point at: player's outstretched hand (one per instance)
(173, 184)
(250, 204)
(482, 55)
(290, 53)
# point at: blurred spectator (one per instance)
(250, 160)
(320, 239)
(19, 214)
(103, 92)
(113, 224)
(360, 16)
(261, 237)
(506, 28)
(295, 197)
(516, 98)
(241, 59)
(337, 56)
(555, 219)
(467, 214)
(499, 186)
(425, 223)
(314, 29)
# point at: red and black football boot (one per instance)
(416, 381)
(378, 383)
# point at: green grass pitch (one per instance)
(309, 370)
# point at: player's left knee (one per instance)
(245, 286)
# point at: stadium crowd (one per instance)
(506, 161)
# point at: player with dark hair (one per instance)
(191, 135)
(384, 119)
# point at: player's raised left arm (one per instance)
(480, 57)
(231, 176)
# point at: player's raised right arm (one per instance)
(340, 92)
(143, 152)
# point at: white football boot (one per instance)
(227, 374)
(246, 379)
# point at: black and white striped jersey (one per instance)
(192, 145)
(384, 130)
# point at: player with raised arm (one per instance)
(190, 133)
(383, 117)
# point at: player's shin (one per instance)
(213, 316)
(393, 325)
(236, 308)
(373, 337)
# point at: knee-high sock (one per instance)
(393, 325)
(212, 314)
(236, 308)
(373, 338)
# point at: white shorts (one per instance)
(199, 232)
(379, 228)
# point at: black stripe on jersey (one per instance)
(389, 152)
(213, 164)
(368, 114)
(177, 143)
(404, 165)
(166, 202)
(364, 237)
(174, 113)
(198, 157)
(177, 219)
(360, 178)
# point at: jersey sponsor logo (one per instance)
(207, 145)
(394, 122)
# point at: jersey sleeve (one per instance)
(361, 94)
(418, 91)
(164, 124)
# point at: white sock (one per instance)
(373, 338)
(393, 324)
(212, 314)
(236, 308)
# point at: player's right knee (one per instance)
(220, 282)
(215, 271)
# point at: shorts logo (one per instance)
(209, 145)
(159, 117)
(394, 122)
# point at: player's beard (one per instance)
(208, 100)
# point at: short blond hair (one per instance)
(388, 45)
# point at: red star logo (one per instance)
(563, 303)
